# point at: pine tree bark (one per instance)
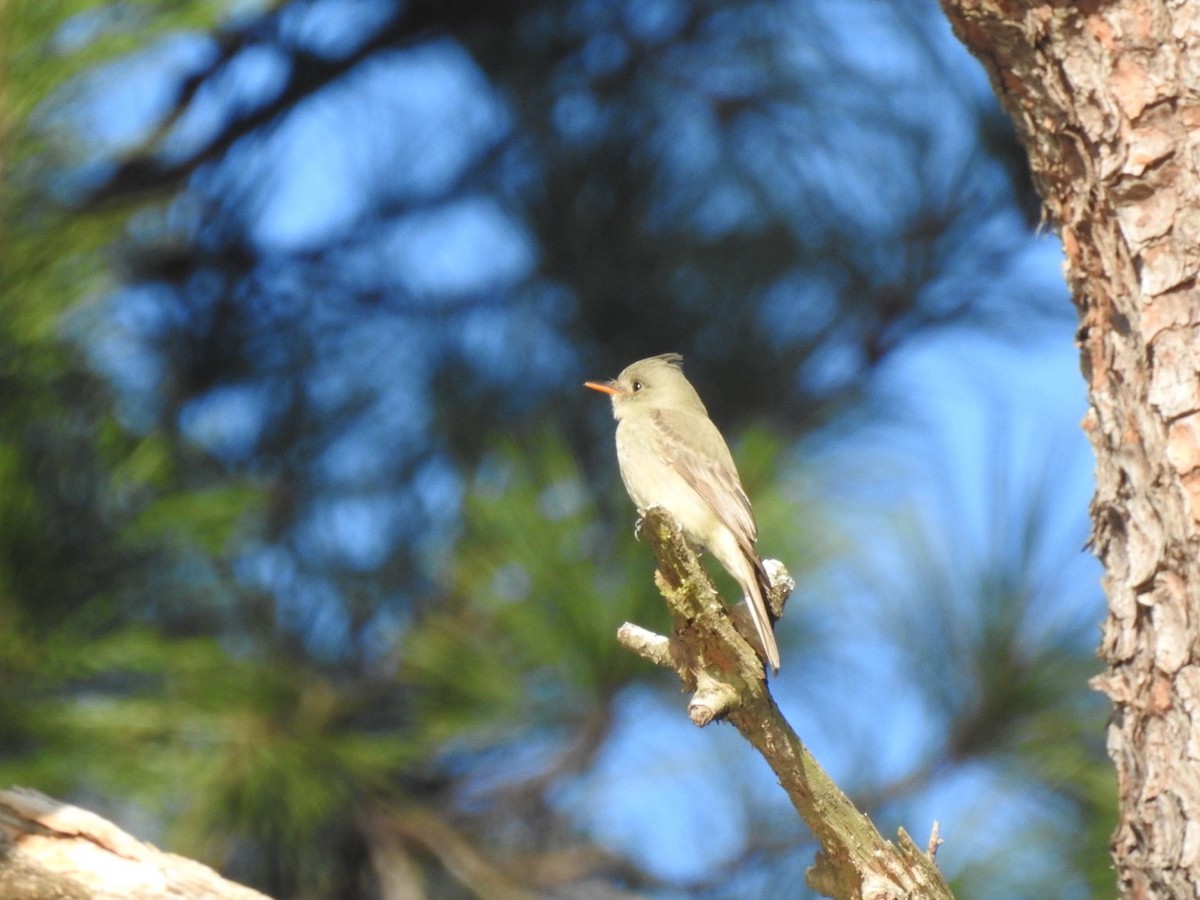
(1106, 98)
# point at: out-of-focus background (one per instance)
(313, 548)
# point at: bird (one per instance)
(672, 455)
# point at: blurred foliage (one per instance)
(544, 192)
(536, 584)
(311, 546)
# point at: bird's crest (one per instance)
(672, 359)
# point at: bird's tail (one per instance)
(756, 591)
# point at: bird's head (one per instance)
(654, 383)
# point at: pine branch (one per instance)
(718, 663)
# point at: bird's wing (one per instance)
(707, 466)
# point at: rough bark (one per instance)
(713, 655)
(1106, 97)
(54, 850)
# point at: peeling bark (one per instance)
(1106, 97)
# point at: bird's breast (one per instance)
(651, 480)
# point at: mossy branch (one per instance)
(718, 662)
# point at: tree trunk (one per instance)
(1106, 97)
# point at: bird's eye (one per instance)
(637, 386)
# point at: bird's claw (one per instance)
(637, 527)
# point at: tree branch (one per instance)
(54, 849)
(716, 661)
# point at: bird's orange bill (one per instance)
(603, 387)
